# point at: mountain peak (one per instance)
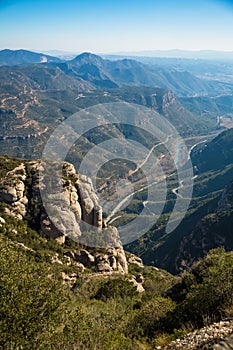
(23, 57)
(87, 57)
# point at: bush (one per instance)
(116, 288)
(206, 291)
(31, 301)
(148, 322)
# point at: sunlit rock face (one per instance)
(71, 212)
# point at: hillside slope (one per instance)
(131, 72)
(208, 222)
(23, 57)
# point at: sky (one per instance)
(116, 26)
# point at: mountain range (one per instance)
(108, 73)
(64, 286)
(21, 57)
(36, 96)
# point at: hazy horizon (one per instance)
(213, 55)
(123, 26)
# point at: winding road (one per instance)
(110, 218)
(149, 154)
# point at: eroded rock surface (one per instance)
(62, 203)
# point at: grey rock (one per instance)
(217, 333)
(72, 205)
(133, 259)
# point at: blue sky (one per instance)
(113, 26)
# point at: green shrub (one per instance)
(116, 288)
(30, 302)
(148, 322)
(206, 291)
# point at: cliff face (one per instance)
(69, 212)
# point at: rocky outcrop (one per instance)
(13, 192)
(138, 282)
(30, 191)
(104, 261)
(133, 259)
(69, 209)
(168, 99)
(91, 209)
(205, 338)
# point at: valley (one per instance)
(101, 246)
(40, 96)
(116, 175)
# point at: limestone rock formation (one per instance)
(138, 282)
(133, 259)
(63, 206)
(105, 261)
(12, 192)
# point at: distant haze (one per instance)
(194, 54)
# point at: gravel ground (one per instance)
(218, 336)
